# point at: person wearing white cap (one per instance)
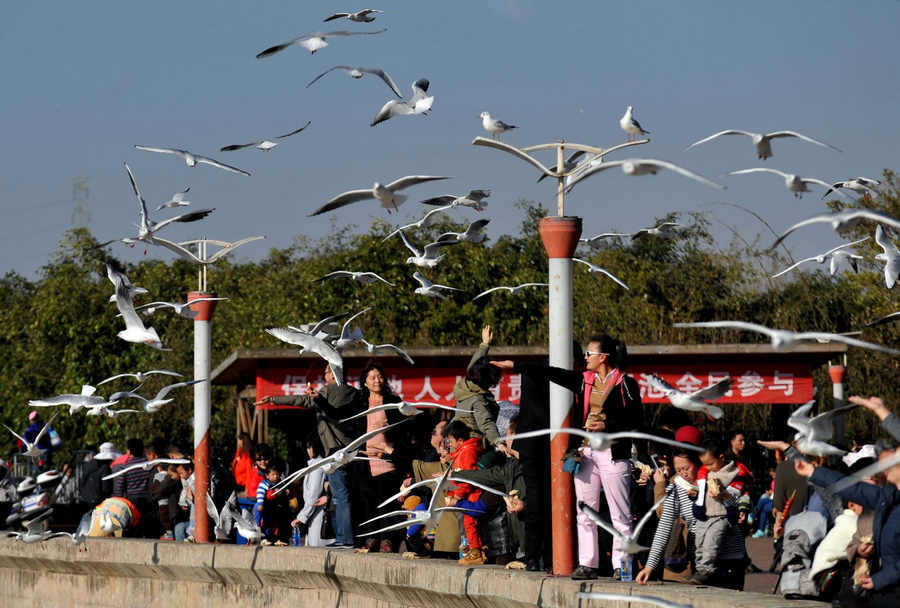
(92, 488)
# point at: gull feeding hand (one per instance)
(628, 544)
(474, 233)
(594, 269)
(376, 349)
(600, 441)
(407, 408)
(512, 290)
(177, 200)
(263, 144)
(697, 400)
(358, 72)
(813, 432)
(146, 466)
(363, 277)
(783, 339)
(860, 185)
(192, 160)
(474, 199)
(388, 195)
(763, 141)
(429, 289)
(419, 103)
(151, 406)
(638, 166)
(630, 125)
(31, 447)
(890, 256)
(367, 15)
(841, 220)
(794, 183)
(313, 42)
(494, 126)
(134, 328)
(834, 256)
(314, 344)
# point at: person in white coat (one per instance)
(312, 516)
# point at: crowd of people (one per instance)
(836, 545)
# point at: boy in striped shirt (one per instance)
(271, 510)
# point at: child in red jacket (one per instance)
(464, 455)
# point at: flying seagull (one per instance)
(864, 473)
(784, 339)
(834, 256)
(104, 409)
(388, 195)
(474, 199)
(407, 408)
(425, 258)
(593, 269)
(358, 72)
(841, 220)
(763, 141)
(350, 335)
(336, 459)
(638, 166)
(664, 230)
(151, 406)
(813, 432)
(885, 319)
(264, 144)
(375, 349)
(794, 183)
(181, 249)
(600, 441)
(147, 466)
(134, 328)
(314, 344)
(630, 125)
(441, 486)
(147, 228)
(568, 165)
(367, 15)
(363, 277)
(474, 233)
(324, 329)
(427, 220)
(860, 185)
(179, 308)
(75, 402)
(697, 400)
(312, 42)
(192, 160)
(890, 257)
(419, 103)
(512, 290)
(429, 289)
(627, 543)
(31, 447)
(177, 200)
(495, 126)
(141, 377)
(595, 240)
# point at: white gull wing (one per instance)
(829, 337)
(416, 252)
(719, 134)
(422, 280)
(640, 166)
(314, 344)
(412, 180)
(168, 389)
(139, 375)
(346, 198)
(869, 471)
(622, 598)
(779, 134)
(345, 329)
(841, 219)
(317, 35)
(711, 393)
(593, 268)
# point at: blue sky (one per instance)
(84, 82)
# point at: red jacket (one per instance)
(242, 466)
(465, 458)
(252, 479)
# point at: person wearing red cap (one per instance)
(689, 434)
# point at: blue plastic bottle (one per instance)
(296, 537)
(625, 569)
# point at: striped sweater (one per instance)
(678, 504)
(135, 484)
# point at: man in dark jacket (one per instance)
(332, 404)
(92, 488)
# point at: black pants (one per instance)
(370, 492)
(534, 457)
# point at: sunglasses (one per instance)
(589, 353)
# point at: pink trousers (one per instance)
(599, 470)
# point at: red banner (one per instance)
(751, 382)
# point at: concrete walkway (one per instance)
(123, 573)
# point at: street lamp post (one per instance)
(560, 236)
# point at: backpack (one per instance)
(802, 534)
